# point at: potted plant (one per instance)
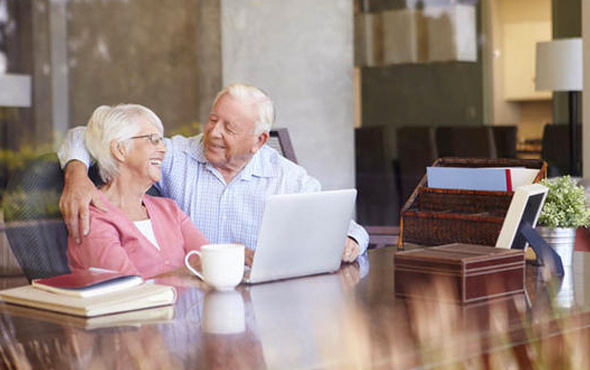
(565, 209)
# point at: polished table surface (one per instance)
(351, 319)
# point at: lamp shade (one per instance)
(559, 65)
(15, 90)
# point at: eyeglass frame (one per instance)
(154, 138)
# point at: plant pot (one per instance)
(562, 240)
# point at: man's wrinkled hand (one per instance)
(351, 250)
(79, 192)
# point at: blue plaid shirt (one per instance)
(225, 213)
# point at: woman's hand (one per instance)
(249, 257)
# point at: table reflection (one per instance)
(567, 293)
(223, 313)
(347, 319)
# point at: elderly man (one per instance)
(220, 178)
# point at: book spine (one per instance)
(508, 180)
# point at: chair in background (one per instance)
(466, 141)
(443, 140)
(416, 150)
(555, 148)
(280, 141)
(34, 227)
(376, 200)
(35, 230)
(505, 139)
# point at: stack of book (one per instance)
(91, 293)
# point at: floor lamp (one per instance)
(559, 68)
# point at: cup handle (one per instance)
(188, 265)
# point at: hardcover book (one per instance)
(88, 283)
(137, 297)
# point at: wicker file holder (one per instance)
(441, 216)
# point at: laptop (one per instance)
(301, 234)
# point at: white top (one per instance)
(146, 228)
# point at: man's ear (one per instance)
(262, 139)
(118, 151)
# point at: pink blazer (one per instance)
(115, 243)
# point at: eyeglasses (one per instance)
(155, 139)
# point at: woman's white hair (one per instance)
(266, 107)
(117, 123)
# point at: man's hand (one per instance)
(79, 192)
(351, 250)
(350, 275)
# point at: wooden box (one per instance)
(465, 272)
(441, 216)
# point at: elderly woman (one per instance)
(138, 233)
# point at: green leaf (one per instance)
(566, 204)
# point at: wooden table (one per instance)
(328, 321)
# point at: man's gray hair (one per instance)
(266, 107)
(117, 123)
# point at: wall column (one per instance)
(301, 53)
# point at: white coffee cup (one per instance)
(222, 265)
(223, 312)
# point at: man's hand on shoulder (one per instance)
(351, 250)
(79, 192)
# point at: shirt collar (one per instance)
(261, 164)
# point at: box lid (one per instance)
(458, 256)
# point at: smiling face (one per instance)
(143, 159)
(229, 134)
